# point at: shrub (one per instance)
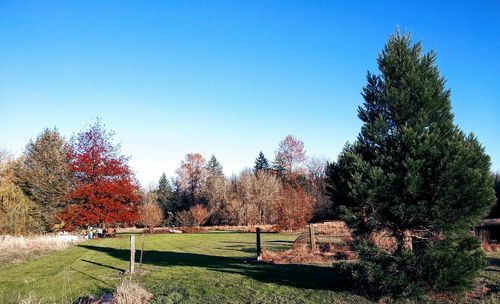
(184, 219)
(18, 214)
(294, 207)
(451, 264)
(151, 215)
(199, 213)
(443, 265)
(381, 273)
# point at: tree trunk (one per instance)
(404, 241)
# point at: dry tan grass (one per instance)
(30, 299)
(17, 249)
(384, 240)
(293, 256)
(333, 242)
(337, 228)
(490, 247)
(130, 292)
(129, 230)
(302, 255)
(263, 228)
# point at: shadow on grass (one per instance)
(493, 265)
(91, 277)
(103, 265)
(493, 261)
(249, 247)
(246, 249)
(280, 241)
(302, 276)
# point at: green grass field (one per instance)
(183, 268)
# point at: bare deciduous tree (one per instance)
(192, 175)
(316, 175)
(151, 215)
(255, 195)
(5, 156)
(199, 213)
(290, 154)
(184, 218)
(216, 194)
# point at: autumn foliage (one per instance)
(199, 213)
(87, 182)
(294, 207)
(104, 190)
(151, 215)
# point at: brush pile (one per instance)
(333, 242)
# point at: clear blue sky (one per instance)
(229, 77)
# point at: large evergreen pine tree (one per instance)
(261, 163)
(413, 175)
(165, 195)
(45, 175)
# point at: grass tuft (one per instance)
(131, 292)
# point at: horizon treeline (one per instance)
(288, 191)
(63, 185)
(59, 184)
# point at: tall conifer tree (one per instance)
(214, 168)
(415, 175)
(165, 195)
(45, 175)
(215, 193)
(261, 163)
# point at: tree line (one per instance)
(57, 184)
(288, 192)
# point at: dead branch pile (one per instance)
(490, 247)
(294, 256)
(335, 228)
(305, 256)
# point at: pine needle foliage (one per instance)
(413, 175)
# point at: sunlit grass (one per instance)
(214, 267)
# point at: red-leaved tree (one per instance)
(104, 190)
(294, 208)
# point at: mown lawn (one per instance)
(183, 268)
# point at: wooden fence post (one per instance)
(259, 250)
(132, 254)
(312, 238)
(142, 252)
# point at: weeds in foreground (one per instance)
(30, 299)
(131, 292)
(18, 249)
